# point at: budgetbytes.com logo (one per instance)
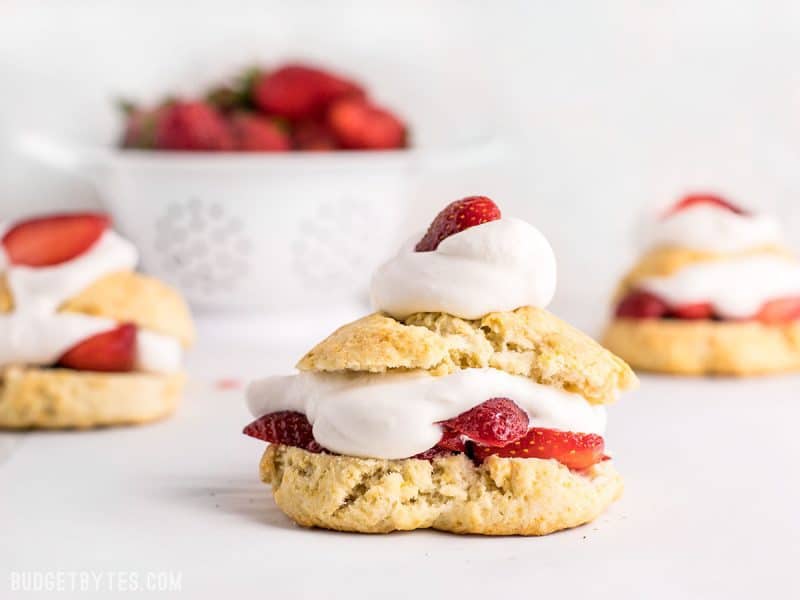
(95, 581)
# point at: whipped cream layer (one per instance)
(712, 229)
(497, 266)
(36, 334)
(394, 415)
(737, 288)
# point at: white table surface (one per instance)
(711, 507)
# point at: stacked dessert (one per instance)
(85, 340)
(460, 405)
(717, 292)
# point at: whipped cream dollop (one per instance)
(394, 415)
(736, 288)
(712, 228)
(34, 333)
(496, 266)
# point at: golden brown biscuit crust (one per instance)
(685, 347)
(130, 297)
(504, 496)
(65, 399)
(528, 341)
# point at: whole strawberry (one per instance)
(298, 91)
(361, 125)
(193, 126)
(254, 133)
(312, 135)
(455, 218)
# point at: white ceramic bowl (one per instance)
(259, 231)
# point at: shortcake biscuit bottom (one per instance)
(64, 398)
(503, 496)
(685, 347)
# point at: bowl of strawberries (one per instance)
(293, 108)
(249, 195)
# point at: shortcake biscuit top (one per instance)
(528, 341)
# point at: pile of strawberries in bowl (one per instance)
(294, 107)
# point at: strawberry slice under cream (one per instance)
(34, 333)
(395, 415)
(736, 288)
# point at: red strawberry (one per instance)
(299, 91)
(699, 199)
(254, 133)
(642, 305)
(496, 422)
(699, 310)
(451, 440)
(360, 125)
(113, 350)
(433, 453)
(575, 450)
(780, 311)
(312, 136)
(194, 125)
(285, 427)
(456, 217)
(47, 241)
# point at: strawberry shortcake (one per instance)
(460, 405)
(84, 340)
(717, 292)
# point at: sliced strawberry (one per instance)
(456, 217)
(52, 240)
(451, 440)
(699, 310)
(192, 126)
(361, 125)
(496, 422)
(780, 311)
(299, 91)
(313, 136)
(432, 453)
(254, 133)
(642, 305)
(700, 199)
(285, 427)
(575, 450)
(113, 351)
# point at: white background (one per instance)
(608, 107)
